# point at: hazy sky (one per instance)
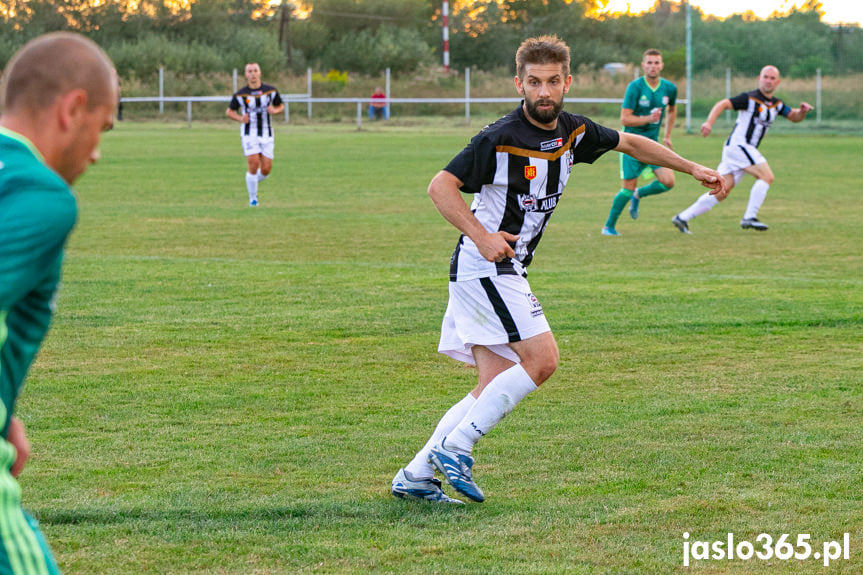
(835, 11)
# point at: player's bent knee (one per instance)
(546, 369)
(542, 368)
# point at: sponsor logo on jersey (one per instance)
(530, 172)
(644, 101)
(550, 145)
(531, 203)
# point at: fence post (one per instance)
(234, 78)
(728, 94)
(467, 94)
(818, 96)
(309, 90)
(287, 111)
(161, 90)
(387, 107)
(359, 114)
(189, 111)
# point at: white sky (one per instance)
(835, 11)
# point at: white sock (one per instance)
(252, 186)
(702, 205)
(262, 177)
(419, 467)
(756, 198)
(499, 397)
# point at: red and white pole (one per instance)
(445, 12)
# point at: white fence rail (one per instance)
(360, 102)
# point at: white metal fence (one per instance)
(309, 100)
(467, 101)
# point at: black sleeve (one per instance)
(597, 140)
(277, 99)
(235, 103)
(740, 101)
(475, 165)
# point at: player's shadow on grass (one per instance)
(383, 509)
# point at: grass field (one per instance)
(230, 390)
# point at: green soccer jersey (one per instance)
(37, 213)
(641, 99)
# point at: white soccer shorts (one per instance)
(258, 145)
(736, 158)
(491, 312)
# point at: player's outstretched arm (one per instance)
(647, 151)
(797, 114)
(718, 108)
(444, 192)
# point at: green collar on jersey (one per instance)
(652, 89)
(23, 140)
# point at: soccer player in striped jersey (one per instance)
(253, 106)
(756, 111)
(648, 100)
(517, 169)
(59, 92)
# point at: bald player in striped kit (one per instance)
(756, 112)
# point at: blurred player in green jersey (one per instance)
(648, 100)
(58, 94)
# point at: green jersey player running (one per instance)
(645, 104)
(59, 93)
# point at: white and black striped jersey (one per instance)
(255, 103)
(756, 112)
(518, 172)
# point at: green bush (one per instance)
(147, 54)
(367, 52)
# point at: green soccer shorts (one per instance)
(23, 550)
(631, 169)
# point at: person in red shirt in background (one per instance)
(378, 107)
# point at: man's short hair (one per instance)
(55, 64)
(651, 52)
(542, 50)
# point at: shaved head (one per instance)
(56, 64)
(768, 79)
(773, 69)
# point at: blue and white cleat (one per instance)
(681, 225)
(753, 224)
(253, 203)
(456, 468)
(423, 489)
(609, 232)
(633, 207)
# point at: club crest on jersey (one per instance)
(665, 100)
(550, 145)
(530, 172)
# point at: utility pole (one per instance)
(445, 14)
(285, 29)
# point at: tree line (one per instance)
(366, 36)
